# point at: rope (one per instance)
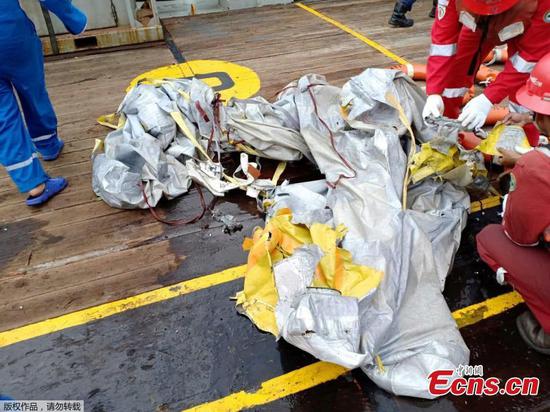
(394, 102)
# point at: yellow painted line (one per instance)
(487, 203)
(84, 316)
(321, 372)
(357, 35)
(246, 82)
(475, 313)
(277, 388)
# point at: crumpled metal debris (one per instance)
(373, 299)
(282, 238)
(365, 165)
(168, 134)
(134, 164)
(336, 332)
(270, 129)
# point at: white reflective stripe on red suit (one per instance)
(521, 65)
(454, 93)
(446, 50)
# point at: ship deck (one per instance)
(113, 307)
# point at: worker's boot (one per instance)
(398, 18)
(434, 9)
(532, 333)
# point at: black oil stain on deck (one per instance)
(19, 237)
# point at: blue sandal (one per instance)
(49, 158)
(53, 187)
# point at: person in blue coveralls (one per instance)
(22, 75)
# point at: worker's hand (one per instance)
(509, 157)
(475, 113)
(519, 119)
(434, 106)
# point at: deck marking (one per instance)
(486, 203)
(357, 35)
(322, 372)
(227, 78)
(277, 388)
(474, 313)
(84, 316)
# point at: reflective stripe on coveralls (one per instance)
(20, 165)
(521, 65)
(42, 138)
(455, 93)
(447, 50)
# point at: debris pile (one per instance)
(349, 268)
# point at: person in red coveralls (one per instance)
(463, 33)
(520, 247)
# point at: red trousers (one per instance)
(528, 269)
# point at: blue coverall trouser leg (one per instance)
(22, 72)
(40, 117)
(17, 153)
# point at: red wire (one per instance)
(216, 103)
(178, 222)
(341, 176)
(284, 89)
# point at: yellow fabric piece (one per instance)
(278, 172)
(344, 111)
(428, 162)
(489, 145)
(380, 365)
(178, 118)
(98, 147)
(113, 120)
(246, 149)
(160, 82)
(279, 239)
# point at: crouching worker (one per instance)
(22, 73)
(520, 247)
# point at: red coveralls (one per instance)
(454, 46)
(526, 216)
